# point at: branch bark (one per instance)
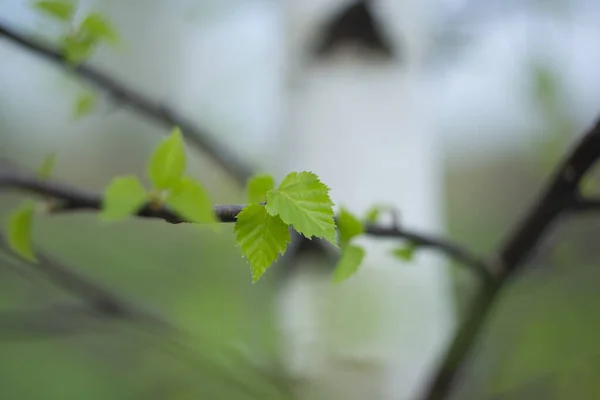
(70, 199)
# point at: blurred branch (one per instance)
(75, 199)
(101, 309)
(586, 204)
(559, 196)
(137, 101)
(97, 299)
(53, 321)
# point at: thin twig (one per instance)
(560, 194)
(74, 199)
(138, 102)
(461, 254)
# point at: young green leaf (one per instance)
(405, 253)
(84, 104)
(45, 169)
(373, 214)
(257, 188)
(191, 201)
(349, 227)
(168, 161)
(62, 10)
(352, 257)
(20, 224)
(261, 237)
(77, 47)
(303, 201)
(99, 27)
(122, 198)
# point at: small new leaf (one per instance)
(261, 237)
(352, 257)
(77, 47)
(20, 224)
(45, 169)
(98, 27)
(62, 10)
(123, 197)
(349, 227)
(84, 104)
(257, 188)
(191, 201)
(303, 201)
(405, 253)
(373, 214)
(168, 161)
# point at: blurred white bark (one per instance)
(358, 122)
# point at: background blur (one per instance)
(512, 83)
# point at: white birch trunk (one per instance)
(356, 121)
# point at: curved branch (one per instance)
(75, 199)
(561, 192)
(138, 102)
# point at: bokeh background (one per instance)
(511, 83)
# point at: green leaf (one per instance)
(168, 162)
(405, 253)
(191, 201)
(303, 201)
(261, 237)
(77, 47)
(99, 27)
(60, 9)
(352, 257)
(123, 197)
(84, 104)
(545, 86)
(588, 185)
(349, 226)
(373, 214)
(45, 169)
(20, 224)
(257, 188)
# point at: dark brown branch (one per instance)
(75, 199)
(68, 198)
(138, 102)
(561, 192)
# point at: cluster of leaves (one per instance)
(171, 187)
(79, 40)
(300, 201)
(262, 228)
